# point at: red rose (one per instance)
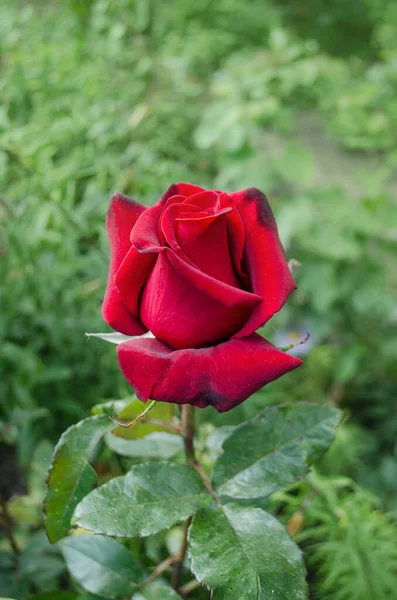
(202, 270)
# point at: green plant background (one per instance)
(295, 98)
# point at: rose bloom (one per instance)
(201, 270)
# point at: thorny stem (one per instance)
(7, 526)
(188, 430)
(178, 570)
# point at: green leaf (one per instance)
(40, 563)
(101, 565)
(156, 591)
(71, 477)
(151, 497)
(245, 553)
(273, 449)
(159, 444)
(216, 439)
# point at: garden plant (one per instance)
(293, 98)
(203, 270)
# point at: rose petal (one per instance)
(144, 236)
(236, 237)
(222, 376)
(146, 240)
(121, 217)
(184, 316)
(182, 305)
(200, 239)
(264, 256)
(131, 277)
(140, 259)
(188, 189)
(205, 242)
(182, 189)
(172, 190)
(168, 226)
(206, 200)
(201, 218)
(226, 294)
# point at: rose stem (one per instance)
(188, 430)
(178, 569)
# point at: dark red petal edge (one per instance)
(264, 257)
(122, 215)
(221, 376)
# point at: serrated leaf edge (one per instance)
(335, 420)
(59, 445)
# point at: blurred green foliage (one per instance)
(296, 98)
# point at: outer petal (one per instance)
(121, 217)
(188, 189)
(132, 276)
(133, 272)
(222, 376)
(183, 189)
(264, 257)
(236, 236)
(144, 236)
(186, 308)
